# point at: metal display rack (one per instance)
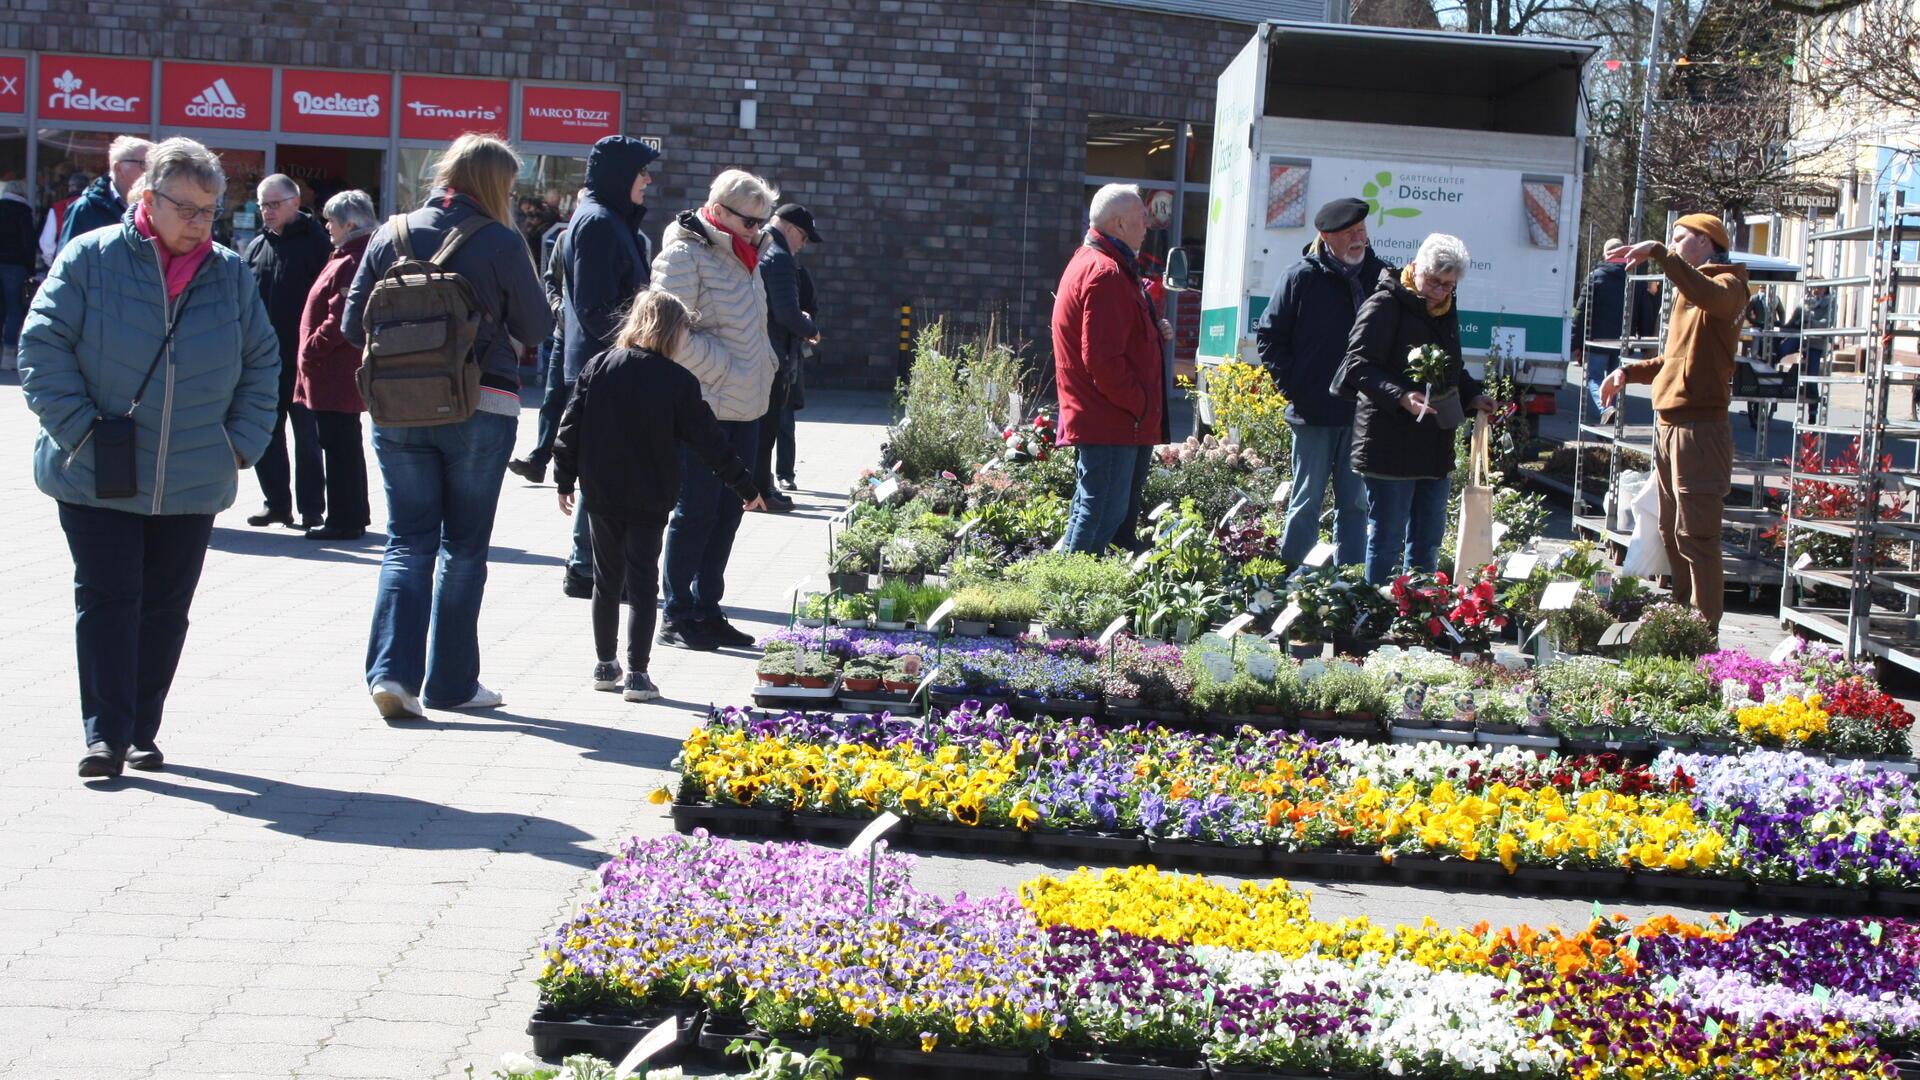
(1870, 605)
(1748, 556)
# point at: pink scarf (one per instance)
(179, 269)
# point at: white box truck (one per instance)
(1482, 137)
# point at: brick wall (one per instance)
(940, 146)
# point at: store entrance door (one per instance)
(245, 168)
(326, 171)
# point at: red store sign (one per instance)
(439, 108)
(336, 102)
(563, 114)
(216, 96)
(13, 84)
(95, 88)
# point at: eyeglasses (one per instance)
(275, 204)
(748, 220)
(1429, 284)
(189, 212)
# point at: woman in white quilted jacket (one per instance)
(710, 261)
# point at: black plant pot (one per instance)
(973, 839)
(1121, 1066)
(718, 1031)
(727, 820)
(1897, 902)
(829, 831)
(1095, 848)
(1207, 855)
(1823, 899)
(608, 1034)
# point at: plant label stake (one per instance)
(793, 596)
(920, 692)
(1321, 555)
(1784, 649)
(1499, 530)
(868, 843)
(884, 490)
(1286, 620)
(1016, 408)
(1229, 515)
(661, 1037)
(1520, 566)
(1559, 596)
(940, 614)
(1447, 625)
(1159, 512)
(1140, 561)
(1282, 492)
(1231, 631)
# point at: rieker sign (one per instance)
(95, 88)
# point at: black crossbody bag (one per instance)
(113, 457)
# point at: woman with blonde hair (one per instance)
(443, 481)
(710, 260)
(633, 410)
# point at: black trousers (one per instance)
(626, 566)
(346, 468)
(309, 484)
(133, 580)
(770, 435)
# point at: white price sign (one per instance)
(1235, 625)
(871, 835)
(884, 490)
(1286, 619)
(661, 1037)
(1520, 566)
(940, 613)
(1112, 631)
(1321, 555)
(1559, 596)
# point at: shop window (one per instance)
(245, 169)
(69, 161)
(1199, 153)
(325, 171)
(544, 193)
(414, 175)
(13, 153)
(1130, 147)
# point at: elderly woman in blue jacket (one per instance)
(153, 322)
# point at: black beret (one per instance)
(1340, 214)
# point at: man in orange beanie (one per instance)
(1692, 381)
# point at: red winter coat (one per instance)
(1107, 359)
(328, 361)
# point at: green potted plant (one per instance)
(863, 676)
(902, 674)
(815, 670)
(813, 609)
(973, 610)
(777, 668)
(924, 601)
(1674, 631)
(892, 605)
(1014, 610)
(853, 609)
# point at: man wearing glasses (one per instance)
(287, 258)
(105, 200)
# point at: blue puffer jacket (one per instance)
(93, 330)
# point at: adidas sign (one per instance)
(216, 102)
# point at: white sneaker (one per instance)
(394, 702)
(484, 698)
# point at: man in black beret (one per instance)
(1303, 338)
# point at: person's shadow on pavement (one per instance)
(621, 746)
(372, 817)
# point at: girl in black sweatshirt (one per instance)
(620, 438)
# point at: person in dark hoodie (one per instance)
(632, 409)
(789, 326)
(287, 258)
(606, 267)
(1303, 338)
(105, 200)
(1599, 322)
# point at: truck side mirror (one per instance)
(1179, 276)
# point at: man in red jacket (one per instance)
(1109, 367)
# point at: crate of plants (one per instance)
(1141, 973)
(560, 1030)
(789, 676)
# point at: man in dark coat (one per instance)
(287, 258)
(1599, 322)
(797, 386)
(1303, 338)
(105, 200)
(605, 266)
(553, 353)
(789, 326)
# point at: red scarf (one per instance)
(178, 269)
(743, 250)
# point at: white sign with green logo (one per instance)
(1517, 225)
(1229, 226)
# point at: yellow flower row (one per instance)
(1788, 722)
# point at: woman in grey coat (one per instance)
(151, 321)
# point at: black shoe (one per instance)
(724, 632)
(335, 532)
(777, 503)
(271, 517)
(102, 762)
(309, 524)
(527, 470)
(687, 635)
(146, 758)
(787, 482)
(580, 588)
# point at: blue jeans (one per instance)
(1405, 518)
(1323, 455)
(700, 536)
(1106, 496)
(13, 304)
(1600, 364)
(443, 486)
(553, 404)
(580, 559)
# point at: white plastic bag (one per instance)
(1646, 552)
(1622, 498)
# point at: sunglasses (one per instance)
(748, 220)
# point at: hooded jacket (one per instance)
(286, 265)
(789, 325)
(97, 207)
(1387, 441)
(1303, 334)
(604, 267)
(727, 350)
(1107, 359)
(1693, 375)
(91, 333)
(1599, 313)
(329, 363)
(630, 413)
(494, 261)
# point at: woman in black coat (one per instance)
(1400, 447)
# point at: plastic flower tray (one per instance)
(557, 1033)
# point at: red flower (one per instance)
(1433, 627)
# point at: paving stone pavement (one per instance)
(308, 892)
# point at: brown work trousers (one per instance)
(1693, 465)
